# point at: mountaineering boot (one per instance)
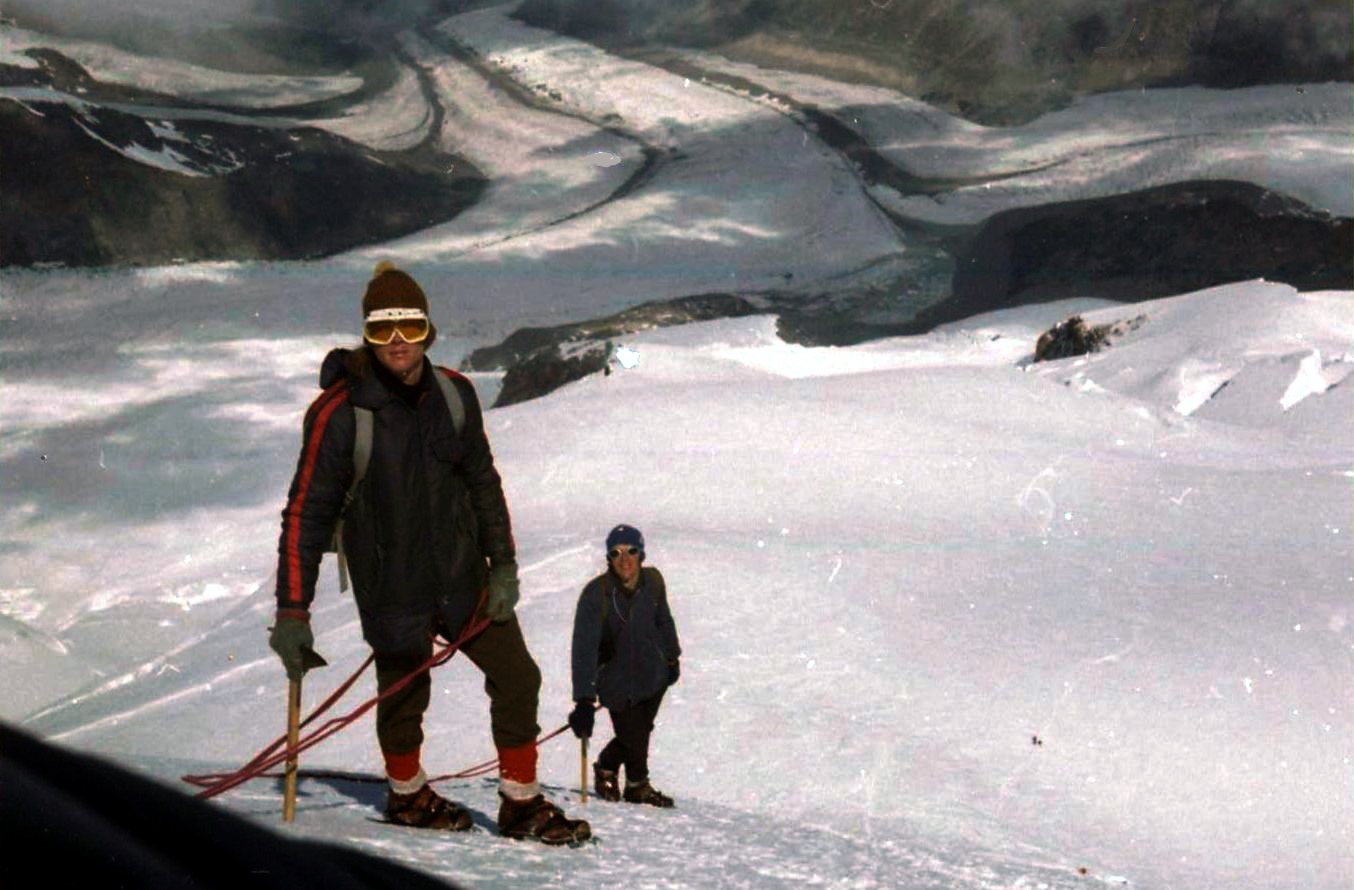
(425, 808)
(606, 783)
(538, 819)
(646, 793)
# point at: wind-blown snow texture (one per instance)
(952, 619)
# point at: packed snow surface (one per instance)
(951, 618)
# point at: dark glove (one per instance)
(503, 592)
(674, 671)
(582, 717)
(291, 638)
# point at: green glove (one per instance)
(291, 639)
(503, 592)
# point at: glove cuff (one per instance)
(293, 614)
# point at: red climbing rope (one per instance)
(470, 772)
(216, 783)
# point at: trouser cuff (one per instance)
(518, 790)
(408, 786)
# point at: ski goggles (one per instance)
(382, 325)
(616, 552)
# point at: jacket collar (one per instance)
(366, 389)
(618, 586)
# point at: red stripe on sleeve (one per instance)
(318, 419)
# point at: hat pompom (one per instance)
(392, 288)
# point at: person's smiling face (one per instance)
(403, 359)
(399, 338)
(624, 561)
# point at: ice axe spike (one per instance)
(309, 659)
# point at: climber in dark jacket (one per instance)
(625, 653)
(429, 545)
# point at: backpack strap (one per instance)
(361, 450)
(452, 396)
(365, 421)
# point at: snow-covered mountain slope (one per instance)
(168, 76)
(991, 60)
(648, 181)
(940, 605)
(700, 844)
(951, 618)
(1099, 145)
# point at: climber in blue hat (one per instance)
(625, 654)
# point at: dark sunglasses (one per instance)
(617, 551)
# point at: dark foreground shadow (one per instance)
(78, 821)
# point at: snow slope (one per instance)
(895, 567)
(952, 619)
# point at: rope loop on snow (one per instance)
(216, 783)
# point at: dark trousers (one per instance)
(630, 745)
(511, 678)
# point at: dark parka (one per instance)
(426, 516)
(624, 643)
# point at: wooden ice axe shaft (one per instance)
(293, 737)
(583, 769)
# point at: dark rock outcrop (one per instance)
(1067, 338)
(120, 176)
(643, 317)
(540, 360)
(1073, 336)
(1148, 244)
(244, 192)
(549, 368)
(1132, 247)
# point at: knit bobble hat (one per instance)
(626, 535)
(392, 288)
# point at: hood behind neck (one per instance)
(342, 362)
(371, 385)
